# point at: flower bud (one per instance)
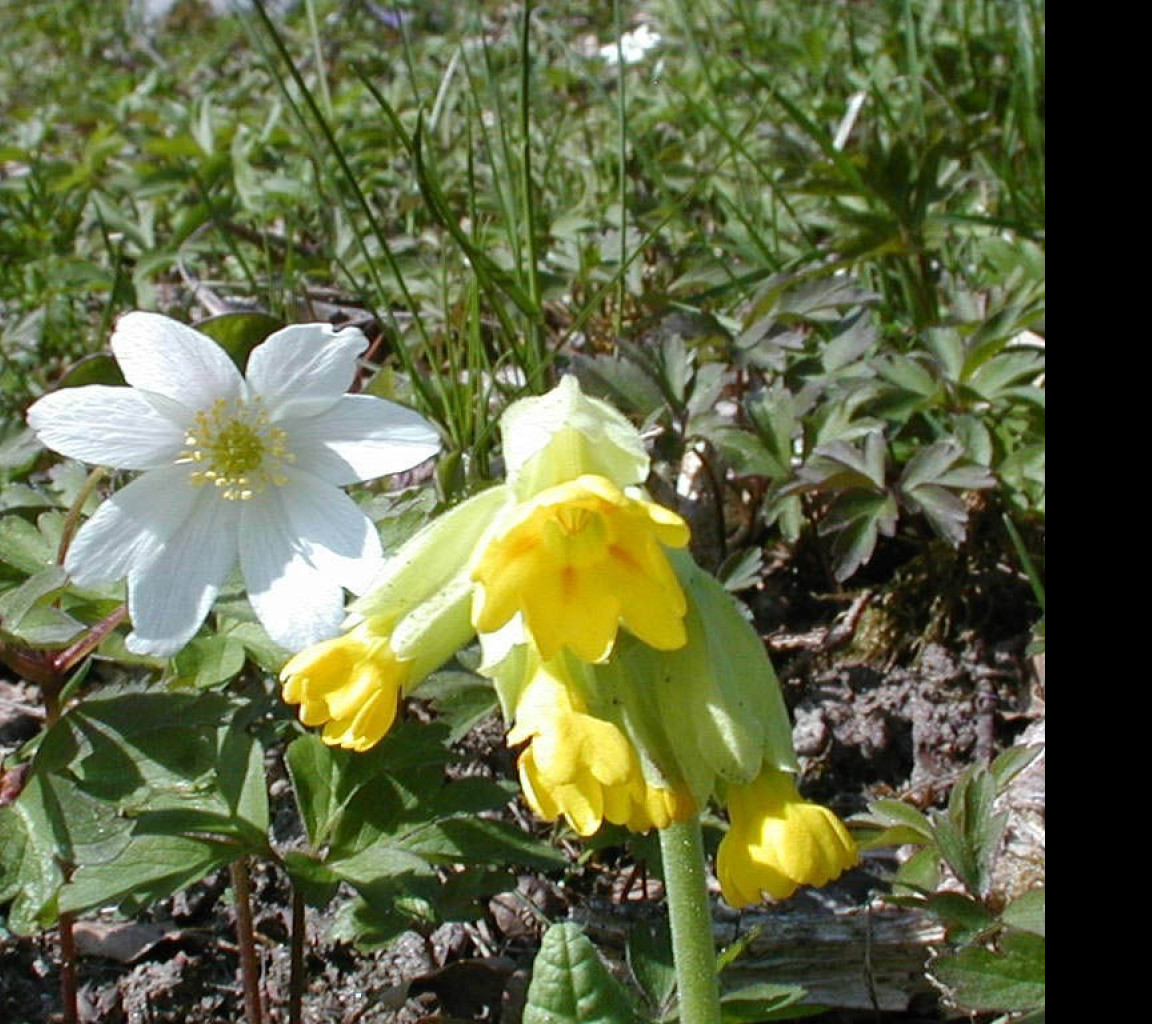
(564, 434)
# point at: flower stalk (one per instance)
(690, 916)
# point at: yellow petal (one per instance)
(778, 842)
(581, 767)
(578, 561)
(351, 685)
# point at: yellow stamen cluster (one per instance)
(240, 450)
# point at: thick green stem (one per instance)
(693, 944)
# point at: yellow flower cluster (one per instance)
(631, 682)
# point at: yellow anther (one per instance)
(243, 452)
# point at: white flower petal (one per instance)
(170, 597)
(304, 369)
(128, 532)
(106, 426)
(361, 438)
(296, 603)
(169, 358)
(334, 534)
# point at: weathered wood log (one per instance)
(861, 955)
(870, 957)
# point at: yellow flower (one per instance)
(778, 841)
(577, 561)
(351, 685)
(416, 617)
(583, 768)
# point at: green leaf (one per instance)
(993, 380)
(258, 645)
(309, 761)
(314, 880)
(649, 950)
(149, 868)
(18, 451)
(925, 486)
(921, 871)
(896, 812)
(1026, 912)
(858, 335)
(856, 519)
(134, 745)
(571, 986)
(971, 805)
(381, 865)
(838, 465)
(24, 547)
(377, 920)
(979, 979)
(29, 871)
(464, 894)
(964, 917)
(1009, 763)
(764, 1002)
(463, 699)
(821, 298)
(98, 368)
(201, 823)
(907, 375)
(480, 840)
(241, 781)
(239, 333)
(774, 415)
(20, 614)
(746, 453)
(210, 661)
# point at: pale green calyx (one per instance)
(437, 555)
(564, 434)
(710, 711)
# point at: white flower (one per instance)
(236, 468)
(634, 46)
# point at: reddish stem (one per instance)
(246, 940)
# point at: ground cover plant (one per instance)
(785, 265)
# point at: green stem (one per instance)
(72, 519)
(693, 944)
